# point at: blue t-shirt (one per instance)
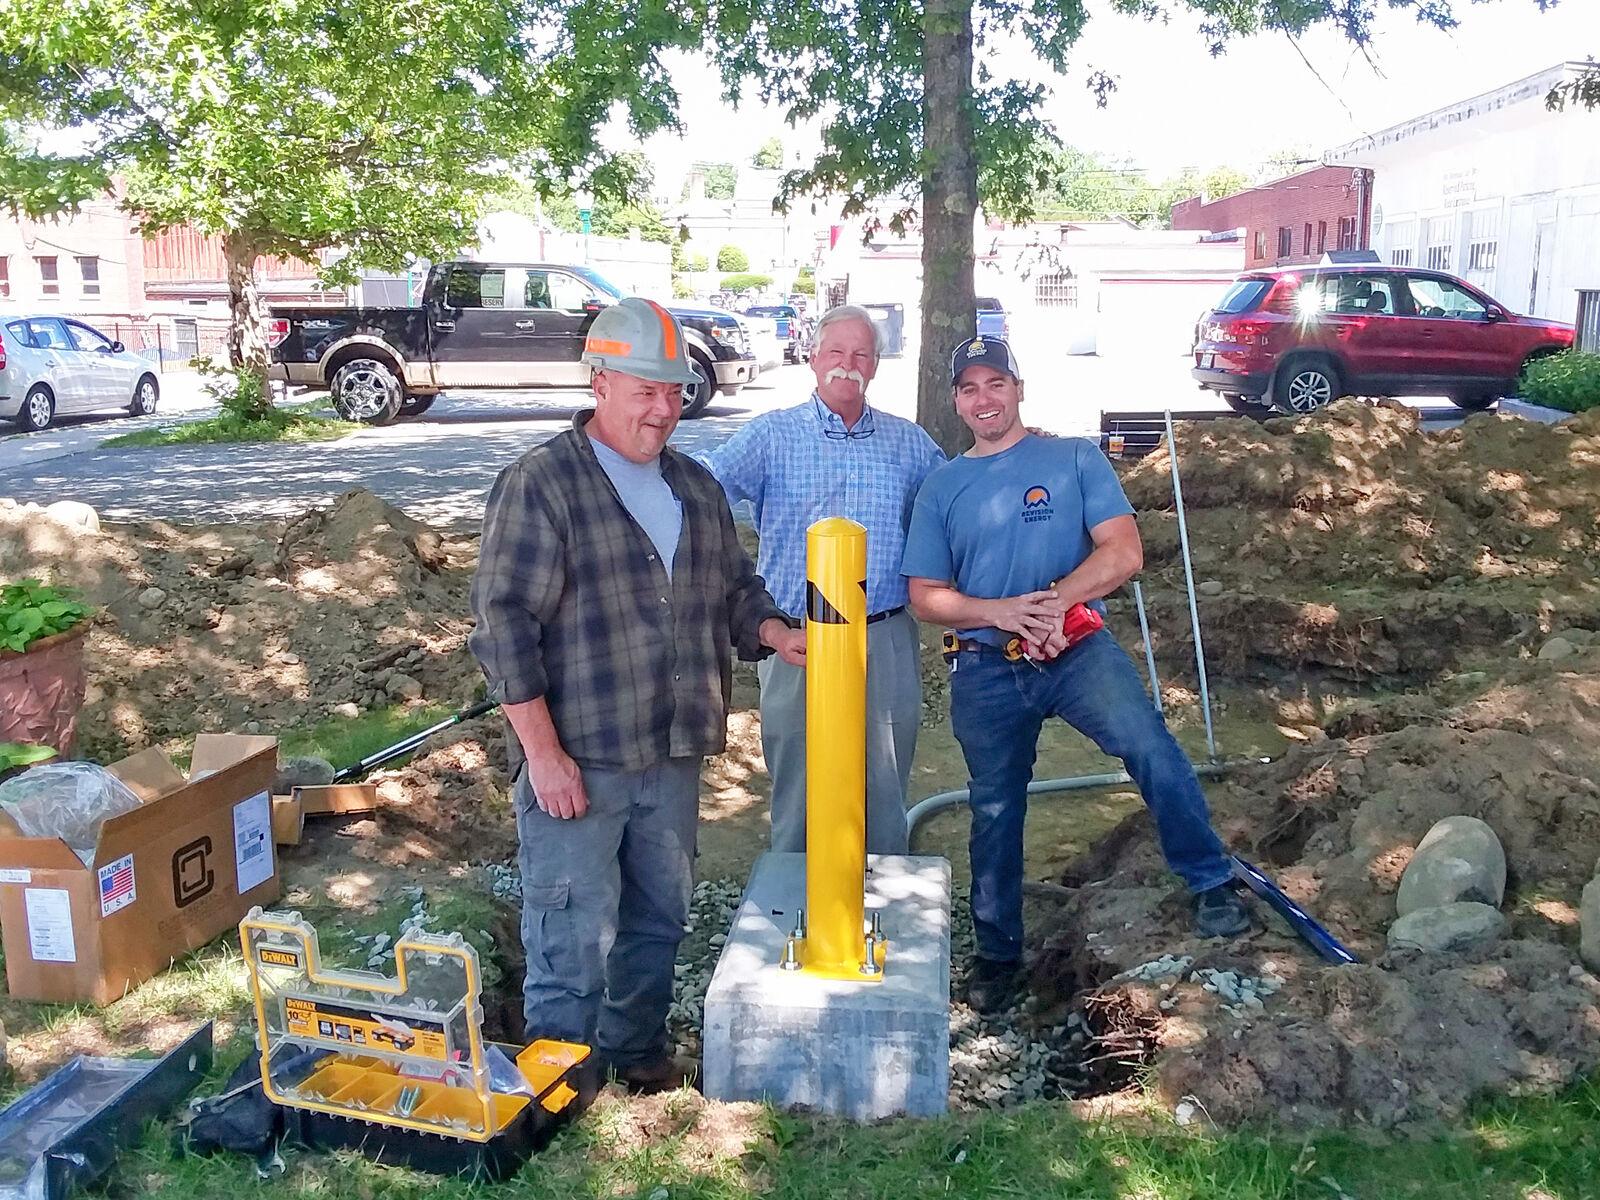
(1012, 522)
(647, 497)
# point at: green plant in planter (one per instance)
(31, 611)
(14, 756)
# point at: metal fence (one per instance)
(169, 341)
(1588, 320)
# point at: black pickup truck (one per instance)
(482, 325)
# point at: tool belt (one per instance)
(1012, 651)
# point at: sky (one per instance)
(1177, 107)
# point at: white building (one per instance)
(1078, 287)
(775, 242)
(1498, 189)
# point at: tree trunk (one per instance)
(247, 340)
(949, 205)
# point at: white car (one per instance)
(764, 343)
(53, 365)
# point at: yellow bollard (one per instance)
(836, 750)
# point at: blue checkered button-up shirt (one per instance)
(799, 465)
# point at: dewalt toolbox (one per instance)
(398, 1068)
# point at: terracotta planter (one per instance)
(41, 691)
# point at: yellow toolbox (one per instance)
(398, 1068)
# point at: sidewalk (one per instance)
(21, 453)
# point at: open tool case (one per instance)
(399, 1068)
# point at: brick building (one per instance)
(1291, 220)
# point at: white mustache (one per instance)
(855, 377)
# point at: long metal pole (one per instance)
(1188, 577)
(1149, 651)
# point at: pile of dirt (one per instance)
(256, 627)
(1355, 542)
(1404, 1037)
(447, 805)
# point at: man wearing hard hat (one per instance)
(611, 590)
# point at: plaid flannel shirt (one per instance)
(573, 604)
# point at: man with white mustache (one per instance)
(837, 456)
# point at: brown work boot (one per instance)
(657, 1075)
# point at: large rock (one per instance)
(1460, 859)
(304, 771)
(74, 513)
(1449, 927)
(1557, 648)
(1589, 924)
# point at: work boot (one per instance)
(1219, 912)
(657, 1075)
(992, 985)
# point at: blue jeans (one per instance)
(997, 709)
(605, 899)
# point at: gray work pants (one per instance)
(894, 708)
(605, 899)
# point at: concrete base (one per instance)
(854, 1050)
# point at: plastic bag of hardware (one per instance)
(69, 800)
(503, 1074)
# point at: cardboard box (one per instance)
(289, 812)
(166, 878)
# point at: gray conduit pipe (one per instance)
(1149, 651)
(923, 809)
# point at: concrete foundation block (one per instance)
(857, 1050)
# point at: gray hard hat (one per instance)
(638, 337)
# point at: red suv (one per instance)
(1296, 338)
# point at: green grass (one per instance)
(347, 740)
(288, 424)
(1509, 1150)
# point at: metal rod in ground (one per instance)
(411, 741)
(1149, 651)
(1188, 578)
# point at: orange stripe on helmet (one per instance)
(596, 345)
(669, 331)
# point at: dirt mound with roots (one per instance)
(1404, 1037)
(1355, 542)
(225, 627)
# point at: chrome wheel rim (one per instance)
(691, 391)
(39, 408)
(1309, 391)
(147, 398)
(364, 391)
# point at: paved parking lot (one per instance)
(439, 467)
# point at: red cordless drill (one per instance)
(1077, 623)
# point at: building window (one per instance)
(50, 281)
(187, 335)
(1285, 241)
(1400, 258)
(89, 269)
(1347, 233)
(1261, 244)
(1322, 237)
(1305, 245)
(1056, 290)
(1481, 256)
(5, 277)
(1439, 252)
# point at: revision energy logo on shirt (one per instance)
(1036, 504)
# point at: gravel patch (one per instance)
(996, 1061)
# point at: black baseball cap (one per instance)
(982, 351)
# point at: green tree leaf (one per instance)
(345, 133)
